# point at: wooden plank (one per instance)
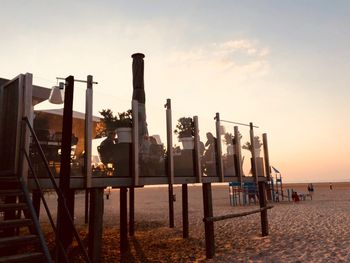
(230, 216)
(185, 223)
(96, 224)
(208, 226)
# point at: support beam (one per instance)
(208, 225)
(185, 224)
(96, 224)
(123, 220)
(263, 213)
(131, 211)
(64, 183)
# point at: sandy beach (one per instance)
(308, 231)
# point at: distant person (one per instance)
(209, 154)
(295, 197)
(330, 186)
(310, 189)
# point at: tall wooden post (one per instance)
(254, 164)
(208, 226)
(238, 155)
(96, 224)
(219, 164)
(197, 156)
(267, 166)
(88, 131)
(263, 214)
(123, 220)
(131, 211)
(170, 162)
(185, 224)
(64, 234)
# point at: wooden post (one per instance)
(96, 224)
(86, 206)
(170, 162)
(263, 214)
(88, 131)
(36, 201)
(252, 143)
(123, 220)
(238, 155)
(135, 169)
(185, 224)
(64, 183)
(267, 166)
(131, 211)
(219, 164)
(197, 157)
(208, 225)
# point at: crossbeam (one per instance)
(229, 216)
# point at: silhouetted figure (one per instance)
(139, 93)
(209, 154)
(106, 148)
(330, 186)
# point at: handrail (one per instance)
(60, 195)
(45, 204)
(35, 220)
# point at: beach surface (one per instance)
(315, 230)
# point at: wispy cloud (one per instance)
(242, 58)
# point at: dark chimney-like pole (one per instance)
(139, 93)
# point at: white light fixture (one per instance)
(56, 96)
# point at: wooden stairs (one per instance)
(19, 240)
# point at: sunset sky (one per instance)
(283, 65)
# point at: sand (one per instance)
(308, 231)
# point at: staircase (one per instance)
(19, 236)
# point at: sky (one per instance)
(283, 65)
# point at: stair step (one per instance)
(17, 240)
(10, 192)
(28, 257)
(15, 223)
(9, 182)
(13, 206)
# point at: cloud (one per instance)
(242, 58)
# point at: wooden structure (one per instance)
(133, 170)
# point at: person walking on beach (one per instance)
(330, 186)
